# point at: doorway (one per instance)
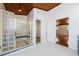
(62, 31)
(38, 31)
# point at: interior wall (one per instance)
(21, 25)
(65, 10)
(42, 16)
(37, 14)
(32, 20)
(51, 29)
(2, 6)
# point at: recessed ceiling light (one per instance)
(19, 10)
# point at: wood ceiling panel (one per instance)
(45, 6)
(14, 7)
(27, 7)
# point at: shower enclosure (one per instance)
(23, 32)
(14, 34)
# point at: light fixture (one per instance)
(19, 10)
(19, 6)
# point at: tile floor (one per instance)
(44, 49)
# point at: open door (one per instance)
(38, 31)
(62, 31)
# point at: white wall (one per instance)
(65, 10)
(21, 25)
(51, 29)
(42, 16)
(2, 6)
(37, 14)
(32, 20)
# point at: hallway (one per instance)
(44, 49)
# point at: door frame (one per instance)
(67, 28)
(40, 30)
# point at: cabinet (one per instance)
(7, 31)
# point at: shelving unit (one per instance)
(7, 31)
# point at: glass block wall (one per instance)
(14, 33)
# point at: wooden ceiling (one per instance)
(45, 6)
(27, 7)
(14, 7)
